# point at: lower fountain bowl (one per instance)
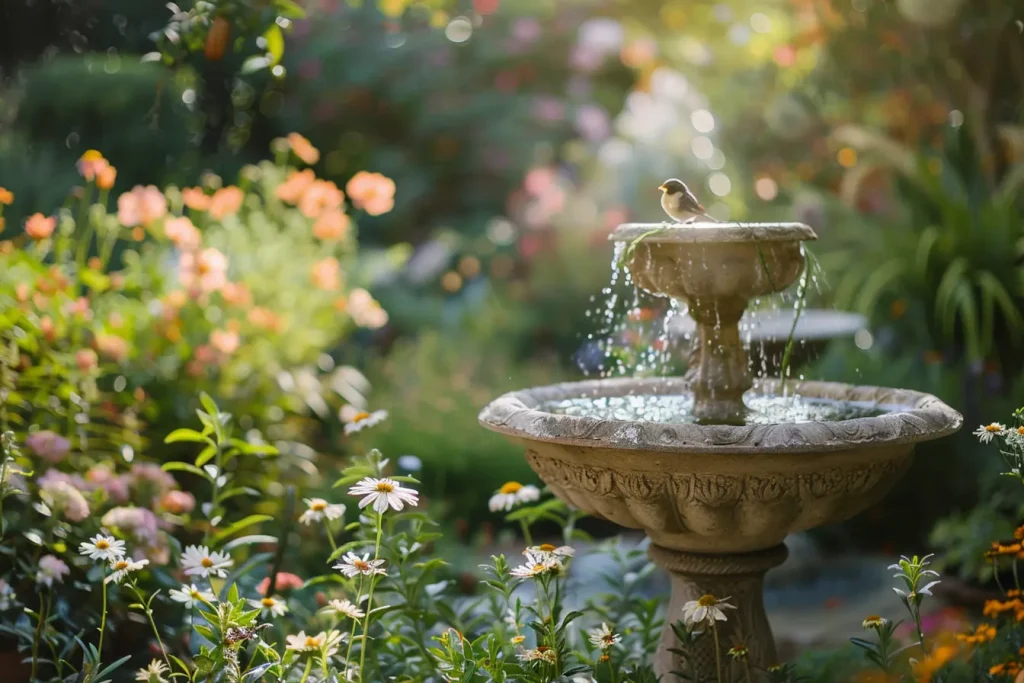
(716, 488)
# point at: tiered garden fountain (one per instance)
(715, 467)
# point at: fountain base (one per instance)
(739, 577)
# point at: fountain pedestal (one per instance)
(739, 577)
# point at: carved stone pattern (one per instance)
(714, 489)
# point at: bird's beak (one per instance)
(662, 188)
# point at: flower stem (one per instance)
(330, 536)
(718, 657)
(352, 633)
(611, 669)
(39, 634)
(746, 670)
(103, 615)
(156, 631)
(527, 537)
(309, 665)
(369, 599)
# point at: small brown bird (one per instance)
(681, 204)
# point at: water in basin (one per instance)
(678, 408)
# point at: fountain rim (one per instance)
(712, 233)
(923, 418)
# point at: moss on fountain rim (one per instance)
(915, 417)
(709, 232)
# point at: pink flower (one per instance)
(66, 499)
(113, 347)
(91, 164)
(51, 569)
(151, 480)
(327, 274)
(226, 202)
(39, 227)
(539, 180)
(80, 308)
(49, 446)
(177, 502)
(284, 581)
(331, 225)
(141, 206)
(374, 193)
(235, 294)
(205, 270)
(225, 341)
(86, 360)
(143, 527)
(195, 198)
(183, 233)
(365, 310)
(103, 477)
(592, 123)
(548, 109)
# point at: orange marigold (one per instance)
(303, 149)
(982, 634)
(993, 608)
(6, 196)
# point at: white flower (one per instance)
(199, 561)
(362, 420)
(548, 550)
(154, 673)
(986, 432)
(51, 569)
(345, 608)
(536, 565)
(319, 509)
(874, 621)
(511, 494)
(122, 568)
(383, 494)
(707, 609)
(325, 642)
(603, 638)
(275, 605)
(539, 654)
(190, 595)
(104, 548)
(353, 565)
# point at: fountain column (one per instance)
(719, 368)
(739, 577)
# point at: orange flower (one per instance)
(321, 196)
(6, 196)
(86, 359)
(141, 206)
(105, 177)
(225, 341)
(111, 346)
(374, 193)
(1009, 668)
(195, 198)
(182, 232)
(217, 39)
(326, 274)
(235, 294)
(226, 201)
(39, 227)
(264, 317)
(1018, 533)
(1001, 549)
(205, 270)
(982, 634)
(91, 164)
(926, 667)
(292, 189)
(303, 149)
(331, 225)
(993, 608)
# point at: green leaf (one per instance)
(206, 455)
(176, 466)
(289, 10)
(249, 540)
(208, 404)
(275, 44)
(238, 526)
(185, 435)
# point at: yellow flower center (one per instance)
(538, 568)
(102, 544)
(546, 548)
(361, 565)
(873, 618)
(993, 428)
(707, 600)
(385, 487)
(207, 562)
(312, 641)
(120, 564)
(92, 155)
(518, 639)
(318, 505)
(360, 416)
(1020, 431)
(510, 487)
(268, 602)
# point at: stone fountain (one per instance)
(718, 489)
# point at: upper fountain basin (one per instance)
(713, 260)
(718, 488)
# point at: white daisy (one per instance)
(706, 609)
(985, 433)
(324, 642)
(546, 550)
(190, 595)
(275, 605)
(603, 638)
(539, 654)
(103, 548)
(383, 494)
(353, 565)
(154, 673)
(363, 420)
(51, 569)
(122, 568)
(536, 565)
(319, 509)
(199, 561)
(511, 494)
(345, 608)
